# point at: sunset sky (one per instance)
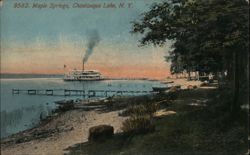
(43, 40)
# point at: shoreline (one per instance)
(55, 134)
(61, 130)
(36, 123)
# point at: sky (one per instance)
(37, 38)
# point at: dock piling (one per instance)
(32, 92)
(74, 92)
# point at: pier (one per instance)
(77, 92)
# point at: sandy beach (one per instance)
(75, 125)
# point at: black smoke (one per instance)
(93, 40)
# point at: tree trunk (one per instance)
(247, 75)
(189, 76)
(235, 106)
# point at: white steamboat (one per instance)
(82, 75)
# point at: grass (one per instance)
(140, 121)
(140, 109)
(138, 125)
(193, 130)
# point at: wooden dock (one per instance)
(77, 92)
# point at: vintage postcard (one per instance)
(124, 77)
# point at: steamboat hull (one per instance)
(84, 79)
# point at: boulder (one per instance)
(100, 132)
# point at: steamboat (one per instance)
(83, 75)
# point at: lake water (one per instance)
(20, 112)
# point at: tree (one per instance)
(209, 36)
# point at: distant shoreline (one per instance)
(24, 76)
(27, 76)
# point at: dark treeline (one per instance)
(209, 37)
(21, 76)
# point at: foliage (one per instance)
(138, 125)
(205, 32)
(209, 37)
(141, 109)
(67, 106)
(140, 120)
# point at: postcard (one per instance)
(124, 77)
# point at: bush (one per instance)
(138, 125)
(204, 84)
(66, 106)
(141, 109)
(100, 132)
(151, 108)
(172, 95)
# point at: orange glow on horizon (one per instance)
(150, 71)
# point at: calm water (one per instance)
(20, 112)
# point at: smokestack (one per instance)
(83, 66)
